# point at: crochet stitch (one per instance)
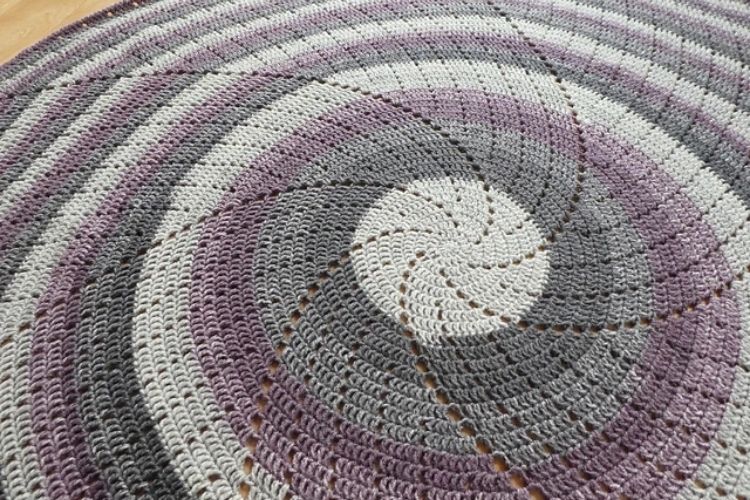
(378, 249)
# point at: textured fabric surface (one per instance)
(378, 249)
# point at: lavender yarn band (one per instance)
(378, 249)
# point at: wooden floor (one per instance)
(25, 22)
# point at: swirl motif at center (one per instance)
(450, 257)
(378, 249)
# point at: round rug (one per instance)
(378, 249)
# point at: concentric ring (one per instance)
(378, 249)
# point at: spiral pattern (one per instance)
(440, 240)
(378, 249)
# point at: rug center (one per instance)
(450, 258)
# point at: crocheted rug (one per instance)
(378, 249)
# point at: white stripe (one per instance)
(703, 187)
(26, 120)
(737, 5)
(102, 60)
(285, 52)
(191, 425)
(18, 458)
(727, 467)
(84, 37)
(723, 468)
(62, 144)
(41, 104)
(719, 109)
(699, 18)
(32, 279)
(200, 190)
(242, 29)
(145, 37)
(652, 30)
(700, 183)
(157, 330)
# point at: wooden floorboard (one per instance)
(25, 22)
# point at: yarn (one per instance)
(378, 249)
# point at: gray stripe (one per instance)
(380, 345)
(714, 150)
(727, 162)
(641, 46)
(231, 52)
(147, 51)
(672, 22)
(38, 140)
(114, 36)
(111, 410)
(26, 240)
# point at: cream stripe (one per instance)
(730, 4)
(243, 28)
(46, 98)
(145, 37)
(32, 279)
(722, 111)
(285, 52)
(190, 46)
(699, 183)
(41, 165)
(659, 33)
(587, 46)
(101, 60)
(701, 18)
(729, 467)
(143, 138)
(191, 425)
(85, 37)
(719, 109)
(193, 198)
(28, 118)
(18, 458)
(157, 329)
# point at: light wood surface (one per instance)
(25, 22)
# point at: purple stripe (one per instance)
(714, 330)
(37, 195)
(736, 15)
(55, 413)
(132, 55)
(57, 425)
(462, 459)
(323, 57)
(236, 359)
(717, 33)
(249, 39)
(720, 71)
(222, 287)
(104, 34)
(266, 34)
(513, 44)
(22, 146)
(75, 93)
(48, 44)
(68, 164)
